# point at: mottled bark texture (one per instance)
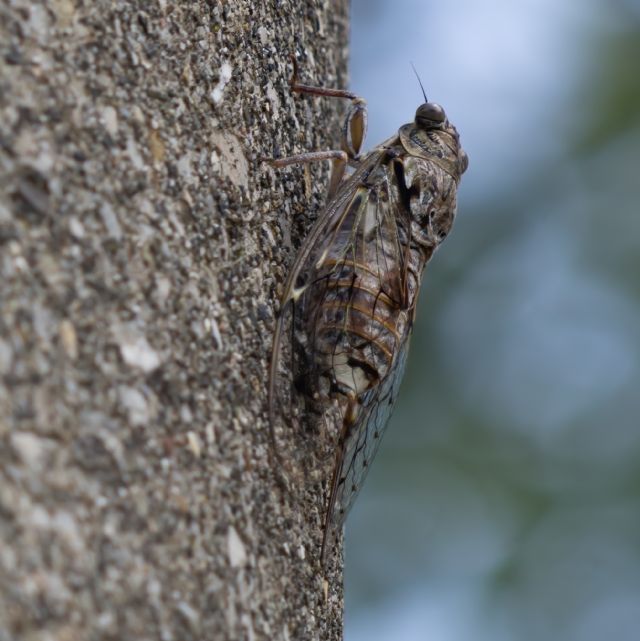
(142, 250)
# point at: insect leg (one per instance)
(352, 137)
(309, 157)
(339, 158)
(353, 133)
(355, 125)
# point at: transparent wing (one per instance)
(360, 449)
(345, 241)
(338, 343)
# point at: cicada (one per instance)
(349, 302)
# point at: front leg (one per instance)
(353, 134)
(354, 130)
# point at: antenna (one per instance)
(420, 81)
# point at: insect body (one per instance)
(350, 298)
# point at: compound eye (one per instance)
(463, 161)
(430, 115)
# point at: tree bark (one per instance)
(142, 249)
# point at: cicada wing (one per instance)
(350, 275)
(360, 448)
(347, 233)
(292, 374)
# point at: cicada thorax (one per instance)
(432, 203)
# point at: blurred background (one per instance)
(504, 503)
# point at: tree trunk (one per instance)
(142, 249)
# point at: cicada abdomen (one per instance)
(350, 298)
